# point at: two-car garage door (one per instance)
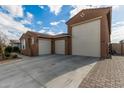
(45, 46)
(86, 39)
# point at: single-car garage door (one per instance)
(44, 46)
(86, 39)
(60, 46)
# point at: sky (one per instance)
(50, 19)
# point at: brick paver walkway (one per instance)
(105, 74)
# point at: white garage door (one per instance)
(60, 46)
(86, 39)
(44, 46)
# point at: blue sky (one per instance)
(50, 19)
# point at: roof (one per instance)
(40, 34)
(43, 35)
(61, 35)
(86, 14)
(22, 35)
(122, 41)
(14, 41)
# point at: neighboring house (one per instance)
(88, 35)
(15, 43)
(118, 48)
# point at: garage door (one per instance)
(60, 46)
(44, 46)
(86, 39)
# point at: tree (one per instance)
(3, 40)
(8, 49)
(16, 49)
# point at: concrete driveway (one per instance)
(45, 71)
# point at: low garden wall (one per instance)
(118, 48)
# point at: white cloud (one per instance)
(51, 32)
(30, 15)
(29, 18)
(48, 31)
(42, 31)
(45, 27)
(56, 9)
(41, 6)
(57, 22)
(120, 23)
(117, 32)
(54, 33)
(115, 7)
(10, 22)
(10, 27)
(62, 21)
(25, 22)
(60, 32)
(11, 33)
(78, 8)
(54, 23)
(15, 10)
(39, 22)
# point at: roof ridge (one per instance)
(89, 9)
(95, 8)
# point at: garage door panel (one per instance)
(44, 46)
(60, 46)
(86, 39)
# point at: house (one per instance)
(34, 43)
(15, 43)
(88, 35)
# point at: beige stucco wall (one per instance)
(60, 46)
(86, 39)
(44, 46)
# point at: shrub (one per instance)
(7, 54)
(14, 55)
(8, 49)
(16, 49)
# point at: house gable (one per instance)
(87, 14)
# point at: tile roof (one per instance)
(40, 35)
